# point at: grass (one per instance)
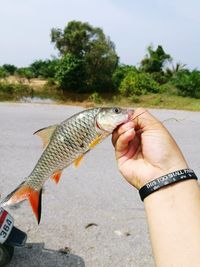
(163, 101)
(169, 102)
(41, 89)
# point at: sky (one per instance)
(25, 27)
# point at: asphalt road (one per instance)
(93, 214)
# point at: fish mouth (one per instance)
(130, 113)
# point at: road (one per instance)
(92, 214)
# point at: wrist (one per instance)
(166, 180)
(173, 216)
(159, 171)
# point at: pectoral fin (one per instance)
(78, 161)
(45, 134)
(95, 142)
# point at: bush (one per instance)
(14, 91)
(120, 73)
(138, 84)
(159, 77)
(188, 83)
(168, 88)
(3, 72)
(96, 98)
(10, 69)
(50, 82)
(25, 73)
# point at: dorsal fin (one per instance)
(45, 134)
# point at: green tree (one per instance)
(172, 72)
(93, 48)
(10, 69)
(44, 68)
(188, 83)
(74, 39)
(155, 60)
(70, 73)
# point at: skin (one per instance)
(145, 150)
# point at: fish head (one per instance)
(109, 118)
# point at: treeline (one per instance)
(88, 63)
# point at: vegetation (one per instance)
(88, 69)
(10, 91)
(138, 84)
(87, 49)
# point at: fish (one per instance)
(64, 144)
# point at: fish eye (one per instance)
(117, 110)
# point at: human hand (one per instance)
(145, 150)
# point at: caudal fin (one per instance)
(23, 192)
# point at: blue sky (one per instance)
(25, 27)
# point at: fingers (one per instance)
(143, 120)
(122, 143)
(120, 130)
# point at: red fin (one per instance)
(56, 176)
(23, 192)
(35, 199)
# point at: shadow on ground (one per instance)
(35, 255)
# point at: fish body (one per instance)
(65, 144)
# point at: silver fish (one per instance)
(66, 143)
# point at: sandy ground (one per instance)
(92, 214)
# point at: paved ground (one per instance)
(93, 213)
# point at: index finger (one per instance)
(143, 120)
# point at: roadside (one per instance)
(44, 91)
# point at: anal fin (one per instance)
(56, 176)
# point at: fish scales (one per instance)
(70, 139)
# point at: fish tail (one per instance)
(23, 192)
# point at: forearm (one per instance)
(173, 214)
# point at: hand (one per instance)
(145, 150)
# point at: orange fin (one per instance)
(78, 160)
(45, 134)
(23, 192)
(56, 176)
(95, 141)
(35, 199)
